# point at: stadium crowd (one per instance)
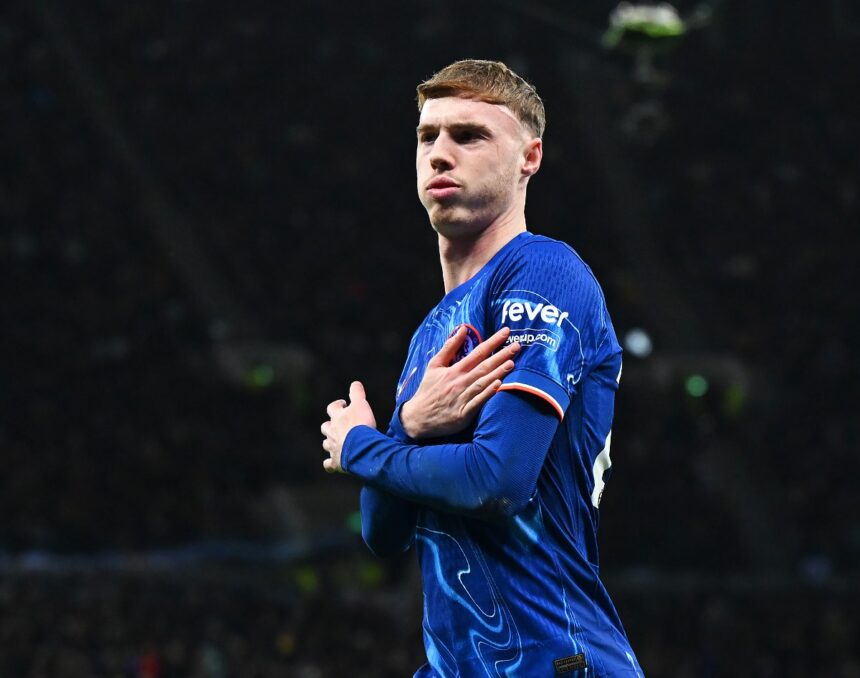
(263, 624)
(119, 431)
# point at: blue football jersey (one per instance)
(523, 597)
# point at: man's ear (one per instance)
(532, 156)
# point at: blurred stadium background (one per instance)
(209, 227)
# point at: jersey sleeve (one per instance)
(489, 477)
(552, 304)
(388, 522)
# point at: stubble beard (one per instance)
(469, 217)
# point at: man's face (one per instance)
(468, 162)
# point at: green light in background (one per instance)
(629, 21)
(262, 376)
(307, 579)
(353, 522)
(370, 574)
(696, 385)
(734, 400)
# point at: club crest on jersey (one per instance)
(473, 338)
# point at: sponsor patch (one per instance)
(514, 311)
(531, 336)
(568, 664)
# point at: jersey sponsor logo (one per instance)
(530, 336)
(517, 310)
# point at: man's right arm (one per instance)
(493, 476)
(448, 399)
(388, 522)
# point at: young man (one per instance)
(494, 468)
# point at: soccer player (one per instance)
(496, 456)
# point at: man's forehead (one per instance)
(448, 111)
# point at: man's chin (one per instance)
(455, 229)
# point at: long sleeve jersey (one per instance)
(504, 516)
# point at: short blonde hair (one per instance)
(489, 81)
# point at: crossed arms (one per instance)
(492, 476)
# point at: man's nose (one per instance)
(441, 155)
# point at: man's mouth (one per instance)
(442, 187)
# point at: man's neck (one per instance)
(464, 257)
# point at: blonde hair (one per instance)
(489, 81)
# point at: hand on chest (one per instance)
(440, 325)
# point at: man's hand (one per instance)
(450, 396)
(343, 418)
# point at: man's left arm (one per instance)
(493, 475)
(555, 310)
(451, 393)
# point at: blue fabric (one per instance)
(490, 476)
(388, 522)
(504, 516)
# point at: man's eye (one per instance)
(427, 138)
(467, 136)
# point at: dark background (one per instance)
(209, 227)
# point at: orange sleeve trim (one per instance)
(516, 386)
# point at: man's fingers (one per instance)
(356, 392)
(328, 465)
(499, 373)
(325, 427)
(478, 401)
(482, 381)
(334, 407)
(485, 349)
(449, 349)
(492, 363)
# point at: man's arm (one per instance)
(493, 475)
(447, 400)
(452, 391)
(387, 522)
